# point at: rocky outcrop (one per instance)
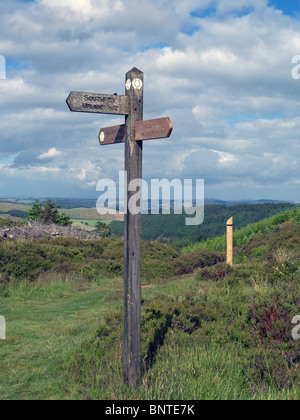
(35, 230)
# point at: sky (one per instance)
(220, 69)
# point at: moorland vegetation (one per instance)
(209, 331)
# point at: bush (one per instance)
(27, 260)
(216, 273)
(188, 263)
(48, 214)
(104, 229)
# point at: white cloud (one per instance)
(52, 153)
(225, 81)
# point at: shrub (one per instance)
(48, 214)
(216, 273)
(104, 229)
(188, 263)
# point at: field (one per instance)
(87, 225)
(90, 215)
(83, 217)
(209, 332)
(6, 206)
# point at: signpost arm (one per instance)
(132, 365)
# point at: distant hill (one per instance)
(157, 227)
(213, 201)
(170, 228)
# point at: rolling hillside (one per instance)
(88, 215)
(172, 228)
(223, 334)
(209, 331)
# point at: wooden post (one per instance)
(133, 133)
(132, 363)
(230, 241)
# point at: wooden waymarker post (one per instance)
(230, 241)
(132, 133)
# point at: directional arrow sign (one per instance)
(98, 103)
(112, 135)
(153, 129)
(144, 130)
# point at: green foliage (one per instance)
(16, 213)
(172, 228)
(28, 260)
(104, 229)
(228, 336)
(220, 333)
(248, 233)
(179, 336)
(48, 213)
(9, 223)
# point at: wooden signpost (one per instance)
(132, 133)
(98, 103)
(160, 128)
(230, 241)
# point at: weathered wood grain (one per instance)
(98, 103)
(153, 129)
(230, 241)
(144, 130)
(132, 361)
(112, 135)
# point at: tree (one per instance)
(48, 214)
(104, 229)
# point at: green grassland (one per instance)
(89, 225)
(90, 214)
(15, 211)
(6, 206)
(249, 232)
(208, 331)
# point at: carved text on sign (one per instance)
(153, 129)
(98, 103)
(144, 130)
(103, 101)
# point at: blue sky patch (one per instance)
(8, 160)
(12, 65)
(202, 13)
(233, 120)
(289, 7)
(158, 46)
(211, 11)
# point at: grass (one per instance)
(30, 259)
(88, 224)
(220, 334)
(91, 223)
(91, 214)
(206, 341)
(44, 322)
(5, 206)
(208, 331)
(250, 232)
(51, 352)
